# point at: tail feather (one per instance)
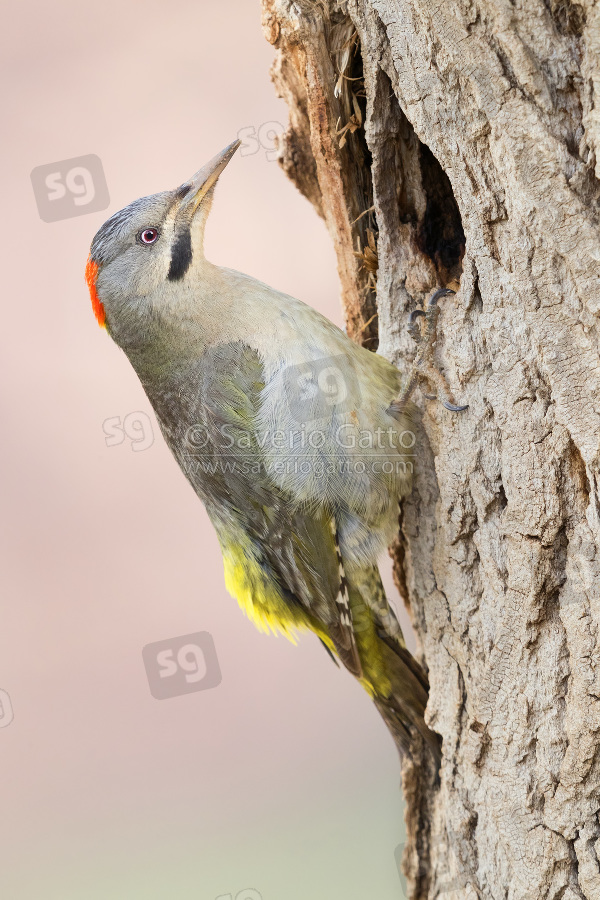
(341, 629)
(391, 675)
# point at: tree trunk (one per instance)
(456, 145)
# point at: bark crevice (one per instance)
(473, 161)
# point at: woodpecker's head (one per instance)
(151, 244)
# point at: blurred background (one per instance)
(280, 782)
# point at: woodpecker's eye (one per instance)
(148, 235)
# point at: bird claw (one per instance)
(424, 367)
(453, 408)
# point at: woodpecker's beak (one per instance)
(193, 191)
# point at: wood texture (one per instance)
(471, 159)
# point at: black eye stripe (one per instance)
(181, 255)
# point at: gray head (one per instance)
(149, 246)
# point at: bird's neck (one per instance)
(179, 322)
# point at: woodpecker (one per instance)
(296, 440)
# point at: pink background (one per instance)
(282, 779)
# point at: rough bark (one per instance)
(474, 140)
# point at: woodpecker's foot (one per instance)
(422, 327)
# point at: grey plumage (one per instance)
(281, 425)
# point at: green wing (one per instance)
(281, 561)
